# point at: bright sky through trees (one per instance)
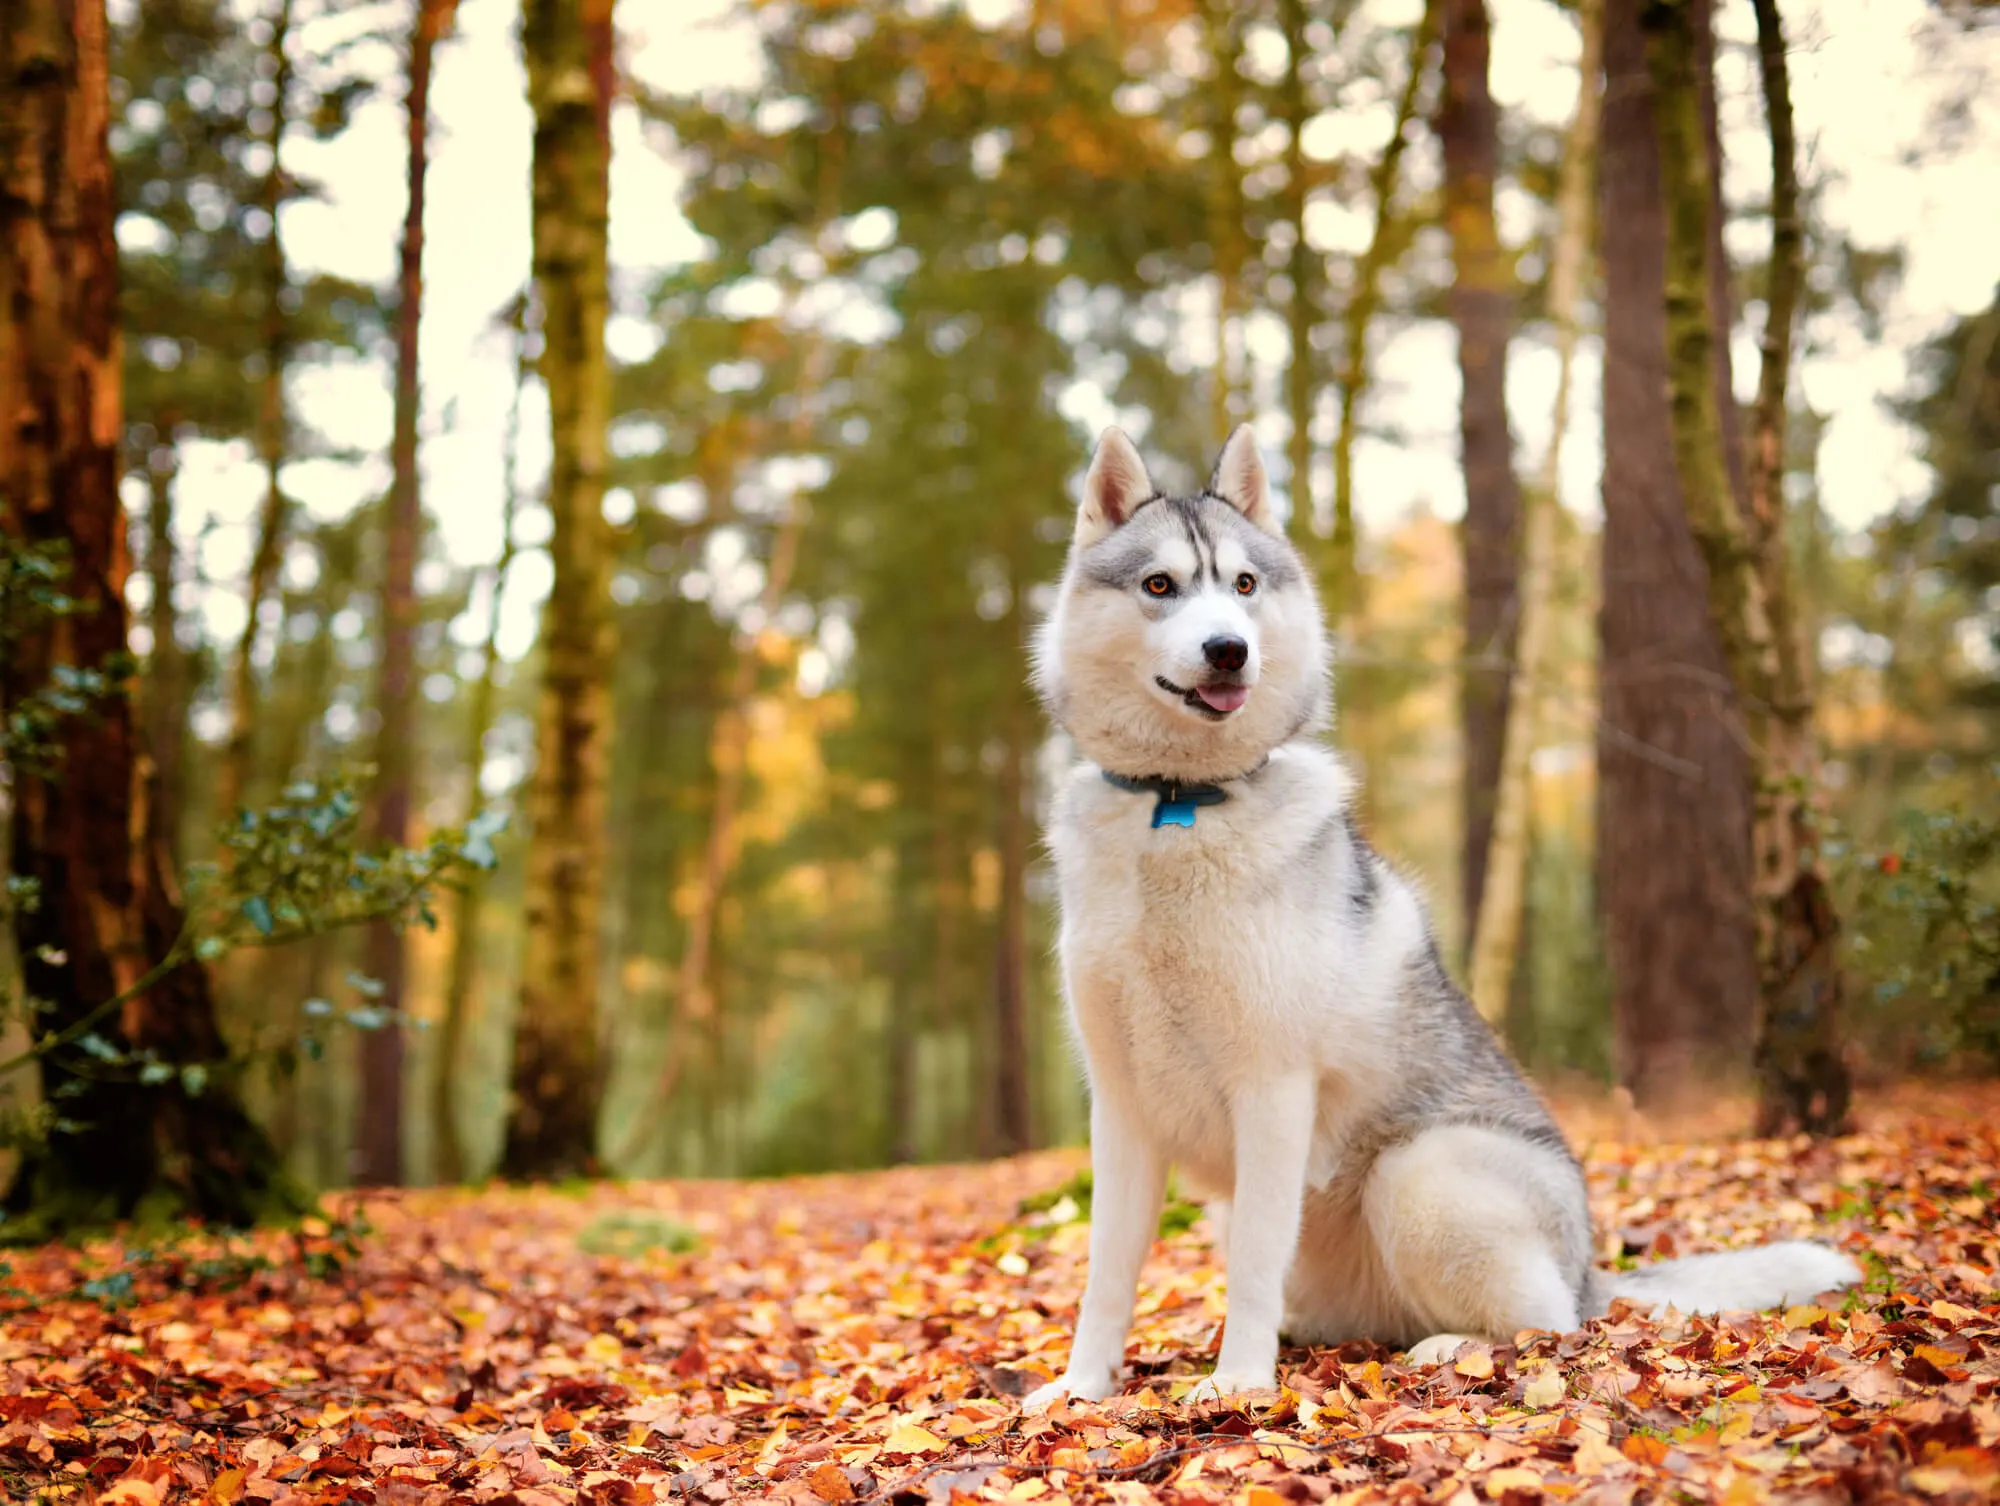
(1870, 79)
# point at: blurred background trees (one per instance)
(707, 550)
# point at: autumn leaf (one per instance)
(910, 1438)
(1545, 1390)
(850, 1338)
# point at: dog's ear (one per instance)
(1117, 484)
(1240, 480)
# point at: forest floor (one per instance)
(842, 1339)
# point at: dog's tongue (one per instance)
(1223, 697)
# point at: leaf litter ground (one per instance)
(860, 1338)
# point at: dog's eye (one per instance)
(1161, 584)
(1245, 583)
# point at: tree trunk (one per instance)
(451, 1166)
(1300, 388)
(1802, 1079)
(1482, 308)
(107, 912)
(906, 956)
(1494, 923)
(1341, 584)
(273, 436)
(379, 1134)
(552, 1123)
(1013, 1101)
(1673, 862)
(1226, 229)
(166, 676)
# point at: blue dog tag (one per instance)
(1175, 803)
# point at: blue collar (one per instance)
(1178, 798)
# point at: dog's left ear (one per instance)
(1240, 480)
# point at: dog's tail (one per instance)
(1728, 1280)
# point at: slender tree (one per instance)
(106, 909)
(1495, 922)
(1224, 25)
(379, 1129)
(1672, 797)
(1482, 302)
(273, 425)
(1802, 1079)
(167, 665)
(556, 1082)
(1301, 388)
(451, 1164)
(1364, 299)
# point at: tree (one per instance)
(299, 86)
(273, 278)
(464, 965)
(1482, 308)
(104, 910)
(1672, 795)
(552, 1118)
(1364, 298)
(1955, 534)
(1802, 1079)
(380, 1127)
(1494, 924)
(181, 140)
(1223, 27)
(1301, 384)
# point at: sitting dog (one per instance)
(1259, 996)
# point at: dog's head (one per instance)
(1186, 640)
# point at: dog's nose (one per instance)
(1226, 651)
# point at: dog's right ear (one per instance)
(1116, 485)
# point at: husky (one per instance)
(1259, 997)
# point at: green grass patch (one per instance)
(633, 1236)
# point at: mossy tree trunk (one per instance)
(107, 911)
(1802, 1077)
(557, 1082)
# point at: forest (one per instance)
(528, 965)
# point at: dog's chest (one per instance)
(1180, 969)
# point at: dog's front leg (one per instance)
(1128, 1179)
(1273, 1126)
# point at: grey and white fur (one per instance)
(1259, 997)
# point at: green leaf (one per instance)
(96, 1045)
(155, 1073)
(194, 1077)
(258, 910)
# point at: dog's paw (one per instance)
(1439, 1348)
(1065, 1388)
(1226, 1383)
